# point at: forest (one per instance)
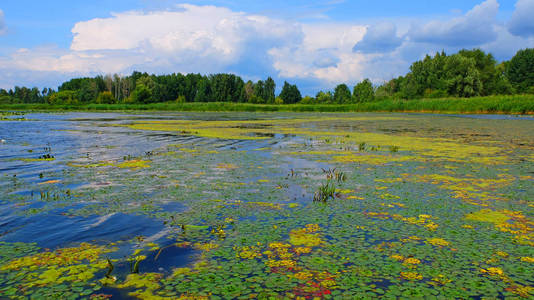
(468, 73)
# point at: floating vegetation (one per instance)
(67, 271)
(218, 206)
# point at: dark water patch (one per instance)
(172, 206)
(54, 230)
(493, 117)
(167, 258)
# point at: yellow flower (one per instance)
(411, 276)
(441, 279)
(249, 253)
(432, 226)
(302, 250)
(304, 276)
(277, 245)
(523, 291)
(527, 259)
(411, 260)
(206, 247)
(438, 242)
(311, 228)
(502, 254)
(397, 257)
(493, 271)
(281, 263)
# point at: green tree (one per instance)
(426, 77)
(247, 92)
(462, 76)
(88, 90)
(520, 70)
(290, 93)
(259, 89)
(142, 94)
(363, 91)
(203, 91)
(307, 100)
(342, 94)
(268, 90)
(324, 97)
(503, 86)
(492, 79)
(64, 97)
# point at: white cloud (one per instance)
(325, 54)
(209, 39)
(2, 23)
(379, 38)
(193, 39)
(48, 59)
(506, 44)
(193, 33)
(522, 21)
(205, 39)
(474, 28)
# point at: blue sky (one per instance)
(316, 43)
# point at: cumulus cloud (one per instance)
(324, 54)
(474, 28)
(210, 39)
(204, 39)
(214, 34)
(379, 38)
(522, 21)
(2, 23)
(507, 44)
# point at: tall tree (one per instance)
(203, 91)
(290, 93)
(520, 70)
(490, 78)
(248, 91)
(363, 91)
(259, 89)
(342, 94)
(269, 89)
(462, 76)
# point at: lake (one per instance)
(260, 205)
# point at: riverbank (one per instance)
(516, 104)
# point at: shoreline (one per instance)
(512, 105)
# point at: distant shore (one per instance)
(515, 104)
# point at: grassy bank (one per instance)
(517, 104)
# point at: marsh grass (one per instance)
(514, 104)
(325, 192)
(334, 174)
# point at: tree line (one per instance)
(467, 73)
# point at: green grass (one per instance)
(515, 104)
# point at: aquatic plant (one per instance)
(325, 192)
